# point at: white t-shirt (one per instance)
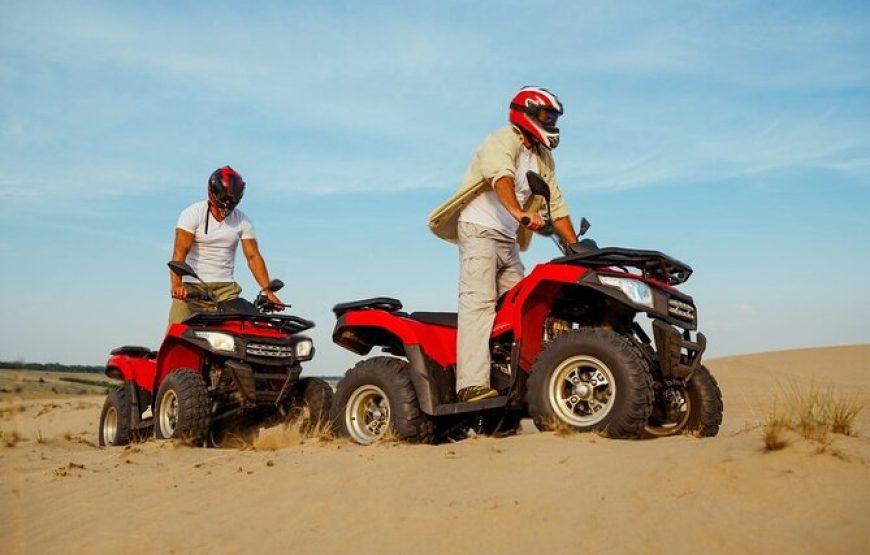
(487, 210)
(213, 254)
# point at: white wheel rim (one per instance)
(110, 426)
(367, 414)
(168, 413)
(670, 427)
(582, 391)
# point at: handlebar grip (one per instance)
(195, 296)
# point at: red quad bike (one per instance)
(566, 350)
(218, 377)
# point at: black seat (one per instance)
(377, 303)
(133, 351)
(448, 319)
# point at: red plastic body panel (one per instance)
(139, 369)
(176, 352)
(526, 306)
(522, 313)
(438, 342)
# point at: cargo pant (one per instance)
(489, 265)
(223, 291)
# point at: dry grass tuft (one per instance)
(813, 412)
(12, 410)
(47, 408)
(773, 432)
(389, 438)
(321, 431)
(11, 439)
(842, 411)
(560, 428)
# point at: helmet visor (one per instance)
(548, 118)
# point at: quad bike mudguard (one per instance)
(133, 363)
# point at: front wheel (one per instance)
(591, 379)
(310, 401)
(376, 399)
(182, 407)
(695, 407)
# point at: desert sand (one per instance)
(530, 493)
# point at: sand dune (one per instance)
(530, 493)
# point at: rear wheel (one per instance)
(376, 399)
(591, 379)
(695, 408)
(310, 401)
(182, 407)
(115, 418)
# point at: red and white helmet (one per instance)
(225, 189)
(535, 110)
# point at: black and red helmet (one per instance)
(225, 189)
(535, 110)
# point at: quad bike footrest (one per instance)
(678, 355)
(472, 406)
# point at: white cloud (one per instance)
(346, 99)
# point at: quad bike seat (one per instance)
(448, 319)
(135, 351)
(388, 304)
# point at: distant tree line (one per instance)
(50, 367)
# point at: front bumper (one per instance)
(255, 388)
(678, 355)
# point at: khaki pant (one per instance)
(222, 291)
(489, 265)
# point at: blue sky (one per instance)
(732, 135)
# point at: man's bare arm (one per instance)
(257, 265)
(505, 188)
(183, 243)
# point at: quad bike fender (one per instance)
(526, 306)
(176, 353)
(430, 349)
(360, 331)
(132, 366)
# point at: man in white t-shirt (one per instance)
(484, 218)
(206, 237)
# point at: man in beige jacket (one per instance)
(484, 217)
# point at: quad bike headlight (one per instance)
(637, 291)
(218, 341)
(304, 349)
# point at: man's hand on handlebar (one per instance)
(179, 293)
(531, 220)
(276, 303)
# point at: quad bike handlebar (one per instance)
(197, 296)
(550, 231)
(263, 304)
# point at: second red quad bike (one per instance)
(566, 350)
(218, 377)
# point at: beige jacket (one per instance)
(496, 158)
